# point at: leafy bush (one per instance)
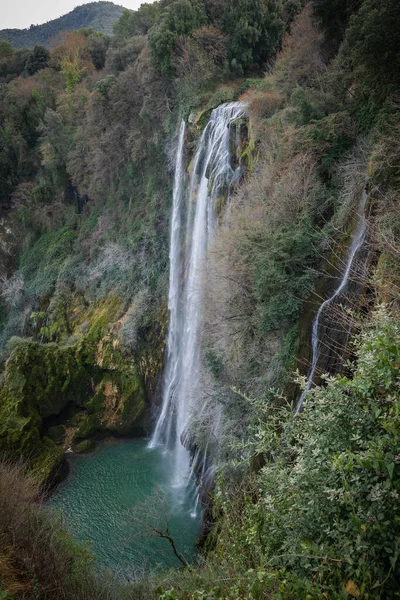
(322, 513)
(281, 268)
(39, 559)
(41, 264)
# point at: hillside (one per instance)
(99, 16)
(200, 246)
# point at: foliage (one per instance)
(72, 56)
(255, 30)
(178, 18)
(334, 16)
(300, 62)
(373, 43)
(124, 52)
(39, 559)
(6, 50)
(23, 106)
(137, 22)
(38, 59)
(331, 489)
(98, 44)
(281, 267)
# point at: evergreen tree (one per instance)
(38, 59)
(180, 17)
(137, 22)
(255, 28)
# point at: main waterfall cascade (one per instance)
(212, 175)
(356, 244)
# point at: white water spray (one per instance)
(163, 427)
(356, 243)
(211, 176)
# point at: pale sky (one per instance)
(23, 13)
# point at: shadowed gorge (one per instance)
(199, 277)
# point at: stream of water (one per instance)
(356, 243)
(212, 175)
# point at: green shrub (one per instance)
(56, 433)
(326, 508)
(39, 559)
(281, 265)
(84, 447)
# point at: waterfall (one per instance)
(212, 174)
(356, 243)
(163, 427)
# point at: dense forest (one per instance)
(302, 505)
(99, 16)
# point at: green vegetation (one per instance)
(99, 16)
(255, 30)
(302, 508)
(137, 22)
(319, 519)
(39, 559)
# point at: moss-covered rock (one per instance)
(88, 428)
(56, 433)
(119, 403)
(92, 377)
(84, 447)
(38, 382)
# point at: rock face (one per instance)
(54, 397)
(335, 323)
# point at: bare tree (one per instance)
(152, 518)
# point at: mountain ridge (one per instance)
(99, 16)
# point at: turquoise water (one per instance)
(111, 495)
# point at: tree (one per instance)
(215, 9)
(152, 517)
(38, 59)
(334, 16)
(137, 22)
(98, 44)
(16, 64)
(6, 50)
(373, 39)
(255, 28)
(72, 56)
(179, 18)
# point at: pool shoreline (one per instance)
(104, 491)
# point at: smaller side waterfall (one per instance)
(356, 243)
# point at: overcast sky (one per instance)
(23, 13)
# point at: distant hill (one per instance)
(100, 16)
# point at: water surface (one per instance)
(112, 494)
